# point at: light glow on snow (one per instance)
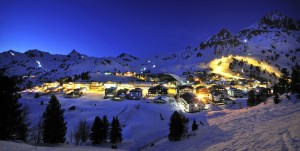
(245, 40)
(12, 53)
(154, 66)
(221, 66)
(39, 63)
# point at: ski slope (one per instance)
(264, 127)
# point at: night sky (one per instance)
(138, 27)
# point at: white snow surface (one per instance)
(14, 146)
(226, 127)
(264, 127)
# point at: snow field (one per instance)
(264, 127)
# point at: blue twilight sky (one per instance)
(138, 27)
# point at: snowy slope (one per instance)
(140, 125)
(227, 127)
(264, 127)
(14, 146)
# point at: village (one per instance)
(193, 92)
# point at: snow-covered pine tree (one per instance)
(54, 126)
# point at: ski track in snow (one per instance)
(264, 127)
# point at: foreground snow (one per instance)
(13, 146)
(227, 127)
(141, 121)
(264, 127)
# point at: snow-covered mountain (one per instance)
(274, 40)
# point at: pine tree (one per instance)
(22, 132)
(10, 109)
(295, 84)
(283, 81)
(96, 130)
(275, 89)
(176, 127)
(105, 130)
(276, 98)
(251, 98)
(54, 126)
(194, 126)
(116, 131)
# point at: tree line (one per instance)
(286, 83)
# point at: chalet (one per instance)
(120, 95)
(262, 90)
(142, 84)
(235, 92)
(141, 76)
(109, 84)
(95, 85)
(204, 94)
(185, 89)
(219, 97)
(74, 93)
(218, 88)
(129, 74)
(50, 85)
(125, 84)
(76, 85)
(110, 92)
(135, 94)
(190, 102)
(157, 90)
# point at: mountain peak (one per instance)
(125, 55)
(74, 52)
(275, 16)
(222, 34)
(277, 19)
(35, 53)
